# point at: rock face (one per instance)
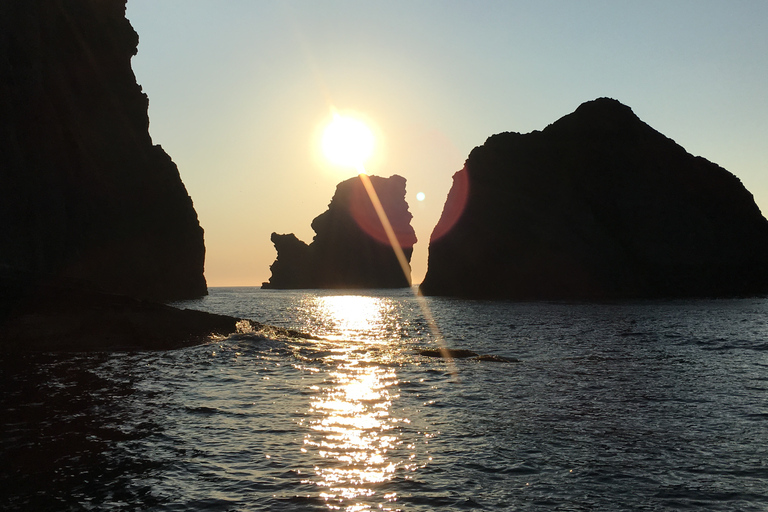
(350, 248)
(597, 205)
(86, 198)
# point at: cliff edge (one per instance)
(350, 248)
(86, 199)
(598, 205)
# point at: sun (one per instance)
(347, 141)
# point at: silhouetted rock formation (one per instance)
(350, 249)
(597, 205)
(85, 197)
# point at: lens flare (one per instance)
(454, 205)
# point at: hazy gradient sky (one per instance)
(239, 88)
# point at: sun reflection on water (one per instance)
(367, 320)
(352, 428)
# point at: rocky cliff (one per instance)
(86, 198)
(350, 248)
(596, 205)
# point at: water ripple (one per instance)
(627, 406)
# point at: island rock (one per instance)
(598, 205)
(350, 248)
(87, 200)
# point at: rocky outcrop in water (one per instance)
(350, 248)
(458, 353)
(86, 198)
(597, 205)
(55, 319)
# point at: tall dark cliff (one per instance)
(86, 198)
(350, 249)
(597, 205)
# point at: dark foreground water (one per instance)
(625, 406)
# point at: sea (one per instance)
(632, 405)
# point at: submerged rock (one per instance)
(597, 205)
(455, 353)
(350, 248)
(86, 198)
(460, 353)
(493, 358)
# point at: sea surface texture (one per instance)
(655, 405)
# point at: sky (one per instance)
(239, 91)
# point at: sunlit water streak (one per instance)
(353, 427)
(625, 406)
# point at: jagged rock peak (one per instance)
(350, 248)
(603, 115)
(603, 109)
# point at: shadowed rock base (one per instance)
(63, 319)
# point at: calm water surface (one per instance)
(619, 406)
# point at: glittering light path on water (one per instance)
(352, 426)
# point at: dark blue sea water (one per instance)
(658, 405)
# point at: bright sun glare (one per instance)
(347, 141)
